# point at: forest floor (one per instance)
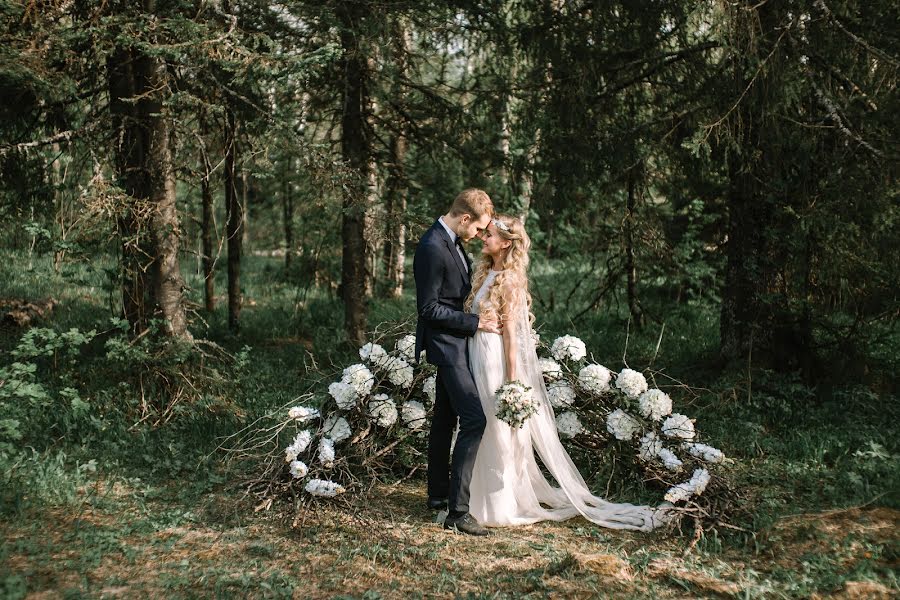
(127, 539)
(95, 506)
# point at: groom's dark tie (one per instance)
(462, 252)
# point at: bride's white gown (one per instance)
(507, 486)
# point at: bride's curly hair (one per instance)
(509, 291)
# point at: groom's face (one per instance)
(470, 228)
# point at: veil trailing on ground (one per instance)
(572, 492)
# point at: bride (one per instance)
(508, 487)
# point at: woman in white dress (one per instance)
(508, 487)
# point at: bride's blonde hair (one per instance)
(509, 292)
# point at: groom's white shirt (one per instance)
(452, 235)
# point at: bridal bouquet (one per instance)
(515, 403)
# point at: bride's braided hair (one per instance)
(509, 291)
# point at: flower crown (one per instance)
(500, 225)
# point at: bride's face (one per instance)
(494, 244)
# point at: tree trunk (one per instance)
(206, 237)
(152, 285)
(355, 152)
(754, 319)
(396, 186)
(287, 206)
(234, 223)
(630, 265)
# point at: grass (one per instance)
(107, 509)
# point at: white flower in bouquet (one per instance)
(650, 446)
(550, 369)
(704, 452)
(298, 446)
(568, 424)
(560, 394)
(430, 388)
(413, 414)
(693, 487)
(372, 352)
(678, 426)
(622, 425)
(401, 373)
(299, 469)
(669, 460)
(515, 403)
(568, 347)
(654, 404)
(323, 488)
(406, 347)
(383, 410)
(302, 414)
(337, 428)
(344, 395)
(594, 379)
(631, 383)
(326, 452)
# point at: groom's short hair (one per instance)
(473, 202)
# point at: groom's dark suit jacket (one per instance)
(442, 284)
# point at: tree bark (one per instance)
(207, 224)
(397, 186)
(148, 226)
(356, 154)
(637, 316)
(234, 222)
(287, 207)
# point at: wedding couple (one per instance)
(474, 324)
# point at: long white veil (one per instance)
(573, 492)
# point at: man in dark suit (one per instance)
(443, 281)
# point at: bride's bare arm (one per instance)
(509, 344)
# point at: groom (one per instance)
(443, 280)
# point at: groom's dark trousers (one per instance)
(442, 284)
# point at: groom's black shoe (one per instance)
(437, 503)
(465, 524)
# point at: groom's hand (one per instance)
(489, 325)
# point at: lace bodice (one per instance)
(483, 290)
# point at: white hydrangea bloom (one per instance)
(700, 480)
(326, 452)
(413, 414)
(337, 428)
(406, 347)
(568, 347)
(693, 487)
(704, 452)
(299, 469)
(299, 445)
(302, 414)
(622, 425)
(594, 378)
(323, 488)
(650, 446)
(654, 404)
(550, 368)
(401, 373)
(372, 352)
(560, 394)
(359, 378)
(344, 395)
(430, 388)
(678, 426)
(568, 424)
(632, 383)
(669, 460)
(383, 409)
